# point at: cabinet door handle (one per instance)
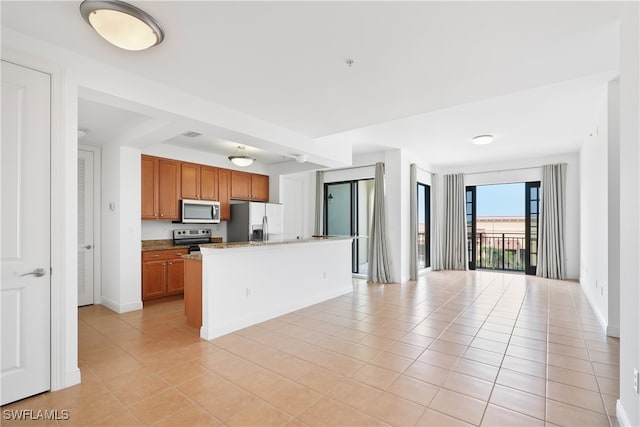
(161, 214)
(170, 263)
(164, 264)
(156, 256)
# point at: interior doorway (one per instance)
(348, 211)
(88, 225)
(502, 226)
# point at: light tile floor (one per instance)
(457, 348)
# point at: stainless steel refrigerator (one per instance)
(255, 221)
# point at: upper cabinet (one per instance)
(160, 188)
(259, 187)
(165, 182)
(240, 185)
(224, 193)
(198, 182)
(249, 186)
(149, 171)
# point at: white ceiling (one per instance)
(426, 75)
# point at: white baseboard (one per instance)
(121, 308)
(72, 378)
(601, 320)
(613, 331)
(621, 414)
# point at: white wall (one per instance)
(629, 403)
(594, 263)
(110, 227)
(531, 170)
(121, 228)
(130, 212)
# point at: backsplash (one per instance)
(158, 230)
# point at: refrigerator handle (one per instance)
(265, 228)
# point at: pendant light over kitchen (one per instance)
(122, 24)
(240, 157)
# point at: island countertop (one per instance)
(234, 245)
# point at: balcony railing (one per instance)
(500, 251)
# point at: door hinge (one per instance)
(51, 271)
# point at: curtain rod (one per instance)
(423, 170)
(509, 170)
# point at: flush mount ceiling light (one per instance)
(240, 157)
(482, 139)
(122, 24)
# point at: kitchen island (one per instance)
(250, 282)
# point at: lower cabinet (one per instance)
(162, 273)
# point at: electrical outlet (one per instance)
(635, 379)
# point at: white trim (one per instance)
(97, 218)
(621, 414)
(64, 326)
(121, 308)
(613, 331)
(601, 320)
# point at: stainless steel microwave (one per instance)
(199, 211)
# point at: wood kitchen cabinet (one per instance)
(224, 193)
(259, 187)
(249, 186)
(193, 292)
(198, 182)
(149, 196)
(162, 273)
(240, 185)
(160, 188)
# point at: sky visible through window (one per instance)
(500, 200)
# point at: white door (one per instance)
(25, 294)
(85, 227)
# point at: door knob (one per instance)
(38, 272)
(87, 247)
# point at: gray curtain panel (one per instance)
(436, 233)
(551, 249)
(379, 270)
(455, 228)
(317, 229)
(413, 198)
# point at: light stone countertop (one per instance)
(235, 245)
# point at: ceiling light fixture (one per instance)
(82, 132)
(122, 24)
(482, 139)
(240, 157)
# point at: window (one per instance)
(424, 229)
(348, 212)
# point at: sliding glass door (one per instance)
(501, 235)
(348, 212)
